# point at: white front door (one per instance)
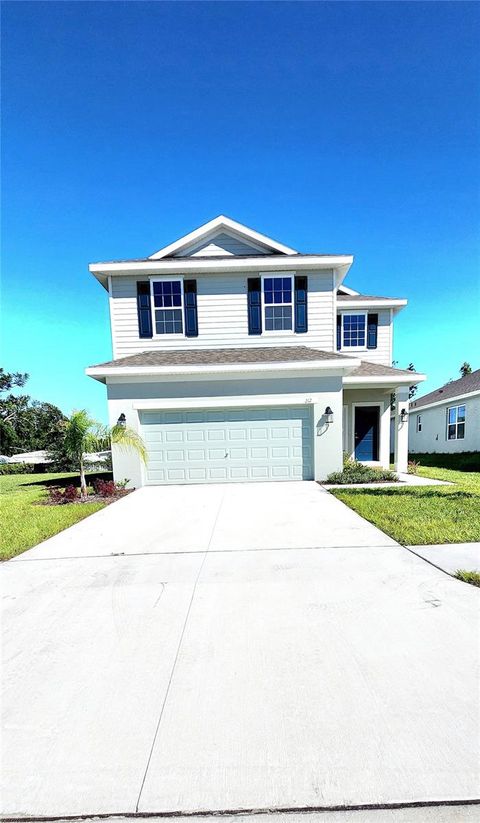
(228, 445)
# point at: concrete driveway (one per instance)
(250, 647)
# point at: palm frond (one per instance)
(126, 439)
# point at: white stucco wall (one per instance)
(319, 392)
(433, 437)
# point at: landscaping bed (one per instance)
(423, 515)
(25, 523)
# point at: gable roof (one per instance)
(456, 388)
(259, 243)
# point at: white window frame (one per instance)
(167, 279)
(271, 276)
(419, 423)
(350, 314)
(457, 422)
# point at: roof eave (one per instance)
(373, 380)
(343, 366)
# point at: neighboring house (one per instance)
(237, 358)
(447, 419)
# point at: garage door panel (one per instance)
(233, 445)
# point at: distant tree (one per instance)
(465, 369)
(25, 425)
(83, 435)
(9, 380)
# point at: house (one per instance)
(237, 358)
(447, 419)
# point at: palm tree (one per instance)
(83, 434)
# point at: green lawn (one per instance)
(425, 514)
(23, 523)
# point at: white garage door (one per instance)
(228, 445)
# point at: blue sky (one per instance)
(334, 127)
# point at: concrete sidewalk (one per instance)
(451, 556)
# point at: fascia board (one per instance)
(336, 366)
(384, 302)
(197, 264)
(221, 222)
(387, 380)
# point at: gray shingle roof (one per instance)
(367, 369)
(366, 297)
(206, 357)
(176, 258)
(456, 388)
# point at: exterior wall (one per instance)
(319, 392)
(222, 316)
(220, 244)
(383, 354)
(433, 437)
(367, 397)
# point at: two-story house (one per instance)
(237, 358)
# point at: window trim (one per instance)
(167, 279)
(350, 314)
(271, 276)
(457, 422)
(419, 423)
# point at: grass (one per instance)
(468, 577)
(424, 515)
(24, 522)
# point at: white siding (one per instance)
(221, 244)
(383, 353)
(433, 437)
(222, 316)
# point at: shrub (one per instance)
(356, 472)
(105, 488)
(17, 468)
(468, 577)
(58, 496)
(413, 466)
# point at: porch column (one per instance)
(401, 430)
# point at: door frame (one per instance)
(380, 407)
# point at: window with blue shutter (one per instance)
(144, 310)
(301, 314)
(191, 318)
(254, 305)
(372, 326)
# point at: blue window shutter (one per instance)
(254, 305)
(339, 332)
(190, 297)
(144, 310)
(372, 326)
(301, 314)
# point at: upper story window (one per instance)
(167, 306)
(278, 303)
(354, 330)
(456, 423)
(419, 422)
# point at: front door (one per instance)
(367, 428)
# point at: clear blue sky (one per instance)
(334, 127)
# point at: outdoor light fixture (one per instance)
(328, 416)
(403, 416)
(122, 421)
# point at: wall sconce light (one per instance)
(403, 416)
(122, 421)
(328, 416)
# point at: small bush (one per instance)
(17, 468)
(413, 466)
(468, 577)
(105, 488)
(355, 472)
(58, 496)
